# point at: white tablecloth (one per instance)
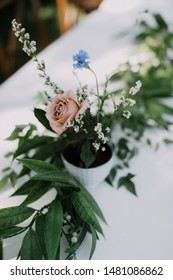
(138, 228)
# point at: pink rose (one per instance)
(64, 108)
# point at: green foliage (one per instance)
(40, 115)
(84, 211)
(53, 228)
(30, 249)
(14, 215)
(111, 176)
(127, 183)
(87, 156)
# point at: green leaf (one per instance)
(53, 229)
(41, 116)
(12, 231)
(161, 22)
(93, 204)
(39, 227)
(84, 210)
(87, 155)
(94, 242)
(26, 188)
(15, 134)
(26, 146)
(127, 183)
(13, 177)
(30, 249)
(57, 176)
(14, 215)
(168, 141)
(111, 176)
(123, 149)
(38, 190)
(4, 181)
(38, 166)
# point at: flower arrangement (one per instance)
(78, 126)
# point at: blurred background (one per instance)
(46, 20)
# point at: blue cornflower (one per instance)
(81, 60)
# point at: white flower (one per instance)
(98, 128)
(75, 234)
(96, 146)
(126, 114)
(128, 102)
(76, 128)
(108, 129)
(68, 218)
(136, 88)
(74, 239)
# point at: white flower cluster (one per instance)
(101, 137)
(77, 124)
(136, 88)
(29, 47)
(127, 101)
(82, 94)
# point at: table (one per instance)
(138, 228)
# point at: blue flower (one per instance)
(81, 60)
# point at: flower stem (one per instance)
(97, 93)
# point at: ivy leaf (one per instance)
(84, 210)
(38, 166)
(14, 215)
(123, 148)
(111, 176)
(30, 249)
(39, 227)
(127, 183)
(86, 155)
(53, 228)
(41, 116)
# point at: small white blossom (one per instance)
(74, 240)
(76, 128)
(103, 149)
(68, 218)
(98, 128)
(136, 88)
(96, 146)
(108, 129)
(128, 102)
(126, 114)
(75, 234)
